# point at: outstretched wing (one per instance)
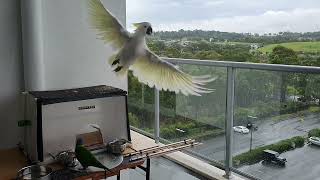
(108, 27)
(153, 71)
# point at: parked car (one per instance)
(314, 140)
(241, 129)
(274, 157)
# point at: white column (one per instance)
(32, 38)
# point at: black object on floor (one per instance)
(67, 174)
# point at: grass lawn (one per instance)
(234, 43)
(313, 47)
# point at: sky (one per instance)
(254, 16)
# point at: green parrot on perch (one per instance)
(86, 158)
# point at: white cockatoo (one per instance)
(133, 54)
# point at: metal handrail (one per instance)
(248, 65)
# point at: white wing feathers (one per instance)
(152, 70)
(148, 68)
(109, 28)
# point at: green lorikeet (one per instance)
(86, 158)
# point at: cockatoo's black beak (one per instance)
(149, 31)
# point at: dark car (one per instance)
(273, 157)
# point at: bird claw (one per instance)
(115, 62)
(118, 69)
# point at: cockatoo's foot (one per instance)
(118, 69)
(115, 62)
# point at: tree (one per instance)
(283, 55)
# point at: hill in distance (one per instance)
(218, 36)
(308, 47)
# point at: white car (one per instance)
(314, 140)
(241, 129)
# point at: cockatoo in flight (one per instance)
(133, 54)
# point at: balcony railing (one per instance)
(281, 100)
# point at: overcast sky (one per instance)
(258, 16)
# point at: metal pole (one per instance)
(156, 115)
(229, 119)
(251, 139)
(142, 94)
(148, 169)
(251, 127)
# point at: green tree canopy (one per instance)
(283, 55)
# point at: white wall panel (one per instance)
(69, 53)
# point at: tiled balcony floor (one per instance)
(161, 169)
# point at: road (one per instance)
(303, 163)
(269, 132)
